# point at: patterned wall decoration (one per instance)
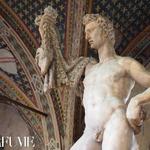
(18, 26)
(22, 82)
(139, 47)
(20, 78)
(27, 69)
(141, 51)
(129, 17)
(76, 10)
(59, 112)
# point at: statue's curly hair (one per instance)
(103, 22)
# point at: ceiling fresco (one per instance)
(129, 17)
(28, 10)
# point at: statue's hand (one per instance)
(135, 115)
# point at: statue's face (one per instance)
(93, 34)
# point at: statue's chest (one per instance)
(104, 73)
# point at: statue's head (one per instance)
(98, 29)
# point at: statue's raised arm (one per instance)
(49, 58)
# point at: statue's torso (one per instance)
(106, 86)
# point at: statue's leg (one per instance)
(86, 142)
(117, 133)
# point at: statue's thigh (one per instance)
(86, 142)
(117, 134)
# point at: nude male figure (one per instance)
(107, 85)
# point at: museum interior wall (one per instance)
(55, 118)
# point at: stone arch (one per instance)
(26, 61)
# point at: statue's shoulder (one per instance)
(126, 61)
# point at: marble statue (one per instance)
(109, 121)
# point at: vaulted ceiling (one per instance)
(131, 20)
